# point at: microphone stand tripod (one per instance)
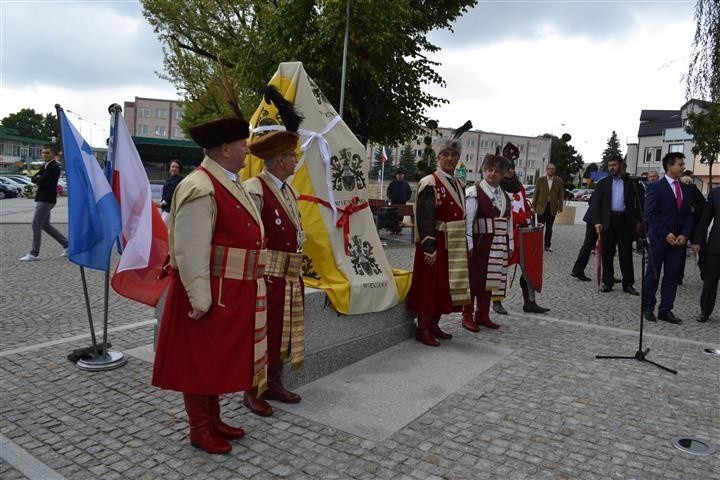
(640, 355)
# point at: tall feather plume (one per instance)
(290, 117)
(465, 127)
(226, 87)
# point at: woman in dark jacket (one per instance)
(169, 187)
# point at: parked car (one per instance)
(529, 190)
(62, 187)
(7, 192)
(17, 186)
(23, 179)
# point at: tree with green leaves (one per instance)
(407, 162)
(28, 123)
(387, 62)
(389, 171)
(704, 126)
(568, 162)
(428, 161)
(613, 148)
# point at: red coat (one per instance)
(214, 354)
(478, 262)
(522, 215)
(281, 236)
(430, 290)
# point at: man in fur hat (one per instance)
(277, 202)
(440, 276)
(490, 241)
(211, 338)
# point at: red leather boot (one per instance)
(482, 315)
(276, 390)
(256, 404)
(202, 434)
(467, 318)
(436, 330)
(221, 428)
(423, 333)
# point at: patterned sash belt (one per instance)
(241, 264)
(484, 225)
(498, 257)
(289, 266)
(457, 260)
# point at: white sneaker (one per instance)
(29, 257)
(64, 254)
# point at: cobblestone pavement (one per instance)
(549, 410)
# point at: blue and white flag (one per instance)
(93, 212)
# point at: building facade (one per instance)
(661, 132)
(154, 118)
(534, 151)
(18, 153)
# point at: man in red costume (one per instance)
(212, 335)
(490, 240)
(277, 202)
(440, 277)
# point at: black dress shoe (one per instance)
(548, 249)
(606, 288)
(649, 316)
(703, 318)
(669, 317)
(631, 290)
(580, 276)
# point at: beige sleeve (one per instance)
(254, 188)
(193, 236)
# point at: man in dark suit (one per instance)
(548, 201)
(588, 245)
(615, 213)
(710, 256)
(669, 220)
(45, 198)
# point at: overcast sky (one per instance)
(518, 67)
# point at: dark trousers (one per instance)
(619, 234)
(662, 255)
(584, 254)
(548, 219)
(41, 222)
(710, 274)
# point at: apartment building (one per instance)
(534, 151)
(154, 118)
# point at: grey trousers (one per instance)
(41, 221)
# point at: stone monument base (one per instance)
(334, 341)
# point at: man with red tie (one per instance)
(669, 220)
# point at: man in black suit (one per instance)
(615, 213)
(710, 256)
(669, 220)
(45, 199)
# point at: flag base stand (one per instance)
(96, 363)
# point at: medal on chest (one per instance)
(278, 220)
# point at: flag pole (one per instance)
(59, 109)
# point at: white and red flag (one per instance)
(144, 235)
(383, 156)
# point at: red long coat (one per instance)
(214, 354)
(282, 237)
(430, 290)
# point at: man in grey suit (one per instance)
(709, 247)
(548, 201)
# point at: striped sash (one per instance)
(457, 260)
(497, 263)
(289, 267)
(242, 264)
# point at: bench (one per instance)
(402, 211)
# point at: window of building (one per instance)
(471, 142)
(143, 129)
(533, 148)
(177, 132)
(676, 147)
(161, 112)
(144, 112)
(160, 131)
(521, 147)
(178, 114)
(652, 154)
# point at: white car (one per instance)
(8, 182)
